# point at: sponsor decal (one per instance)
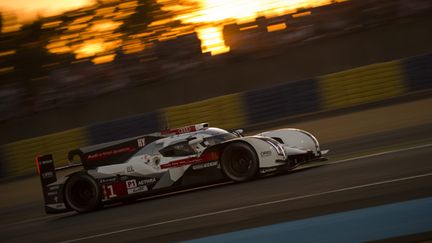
(48, 174)
(53, 193)
(107, 180)
(211, 156)
(205, 165)
(137, 189)
(141, 142)
(131, 184)
(265, 153)
(45, 162)
(179, 163)
(56, 187)
(128, 186)
(146, 181)
(130, 169)
(180, 130)
(45, 166)
(134, 187)
(106, 154)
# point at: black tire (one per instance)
(239, 162)
(82, 193)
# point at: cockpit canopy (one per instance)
(178, 145)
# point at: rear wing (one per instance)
(52, 191)
(46, 169)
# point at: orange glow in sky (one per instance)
(221, 12)
(247, 10)
(28, 10)
(100, 36)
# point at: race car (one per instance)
(169, 160)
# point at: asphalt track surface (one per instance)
(335, 187)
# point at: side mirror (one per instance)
(239, 132)
(195, 141)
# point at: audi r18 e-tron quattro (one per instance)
(170, 160)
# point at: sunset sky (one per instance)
(207, 19)
(28, 10)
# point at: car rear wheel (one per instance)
(82, 193)
(239, 162)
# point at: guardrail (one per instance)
(350, 88)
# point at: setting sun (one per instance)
(212, 40)
(221, 12)
(206, 18)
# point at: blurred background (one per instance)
(130, 67)
(76, 51)
(355, 73)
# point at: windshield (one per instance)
(151, 149)
(177, 150)
(210, 141)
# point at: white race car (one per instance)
(170, 160)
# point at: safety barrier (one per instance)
(361, 85)
(282, 101)
(2, 163)
(225, 111)
(418, 71)
(20, 156)
(124, 128)
(348, 88)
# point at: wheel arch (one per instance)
(222, 146)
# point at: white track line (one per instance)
(326, 163)
(36, 219)
(380, 153)
(140, 199)
(248, 207)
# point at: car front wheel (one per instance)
(239, 162)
